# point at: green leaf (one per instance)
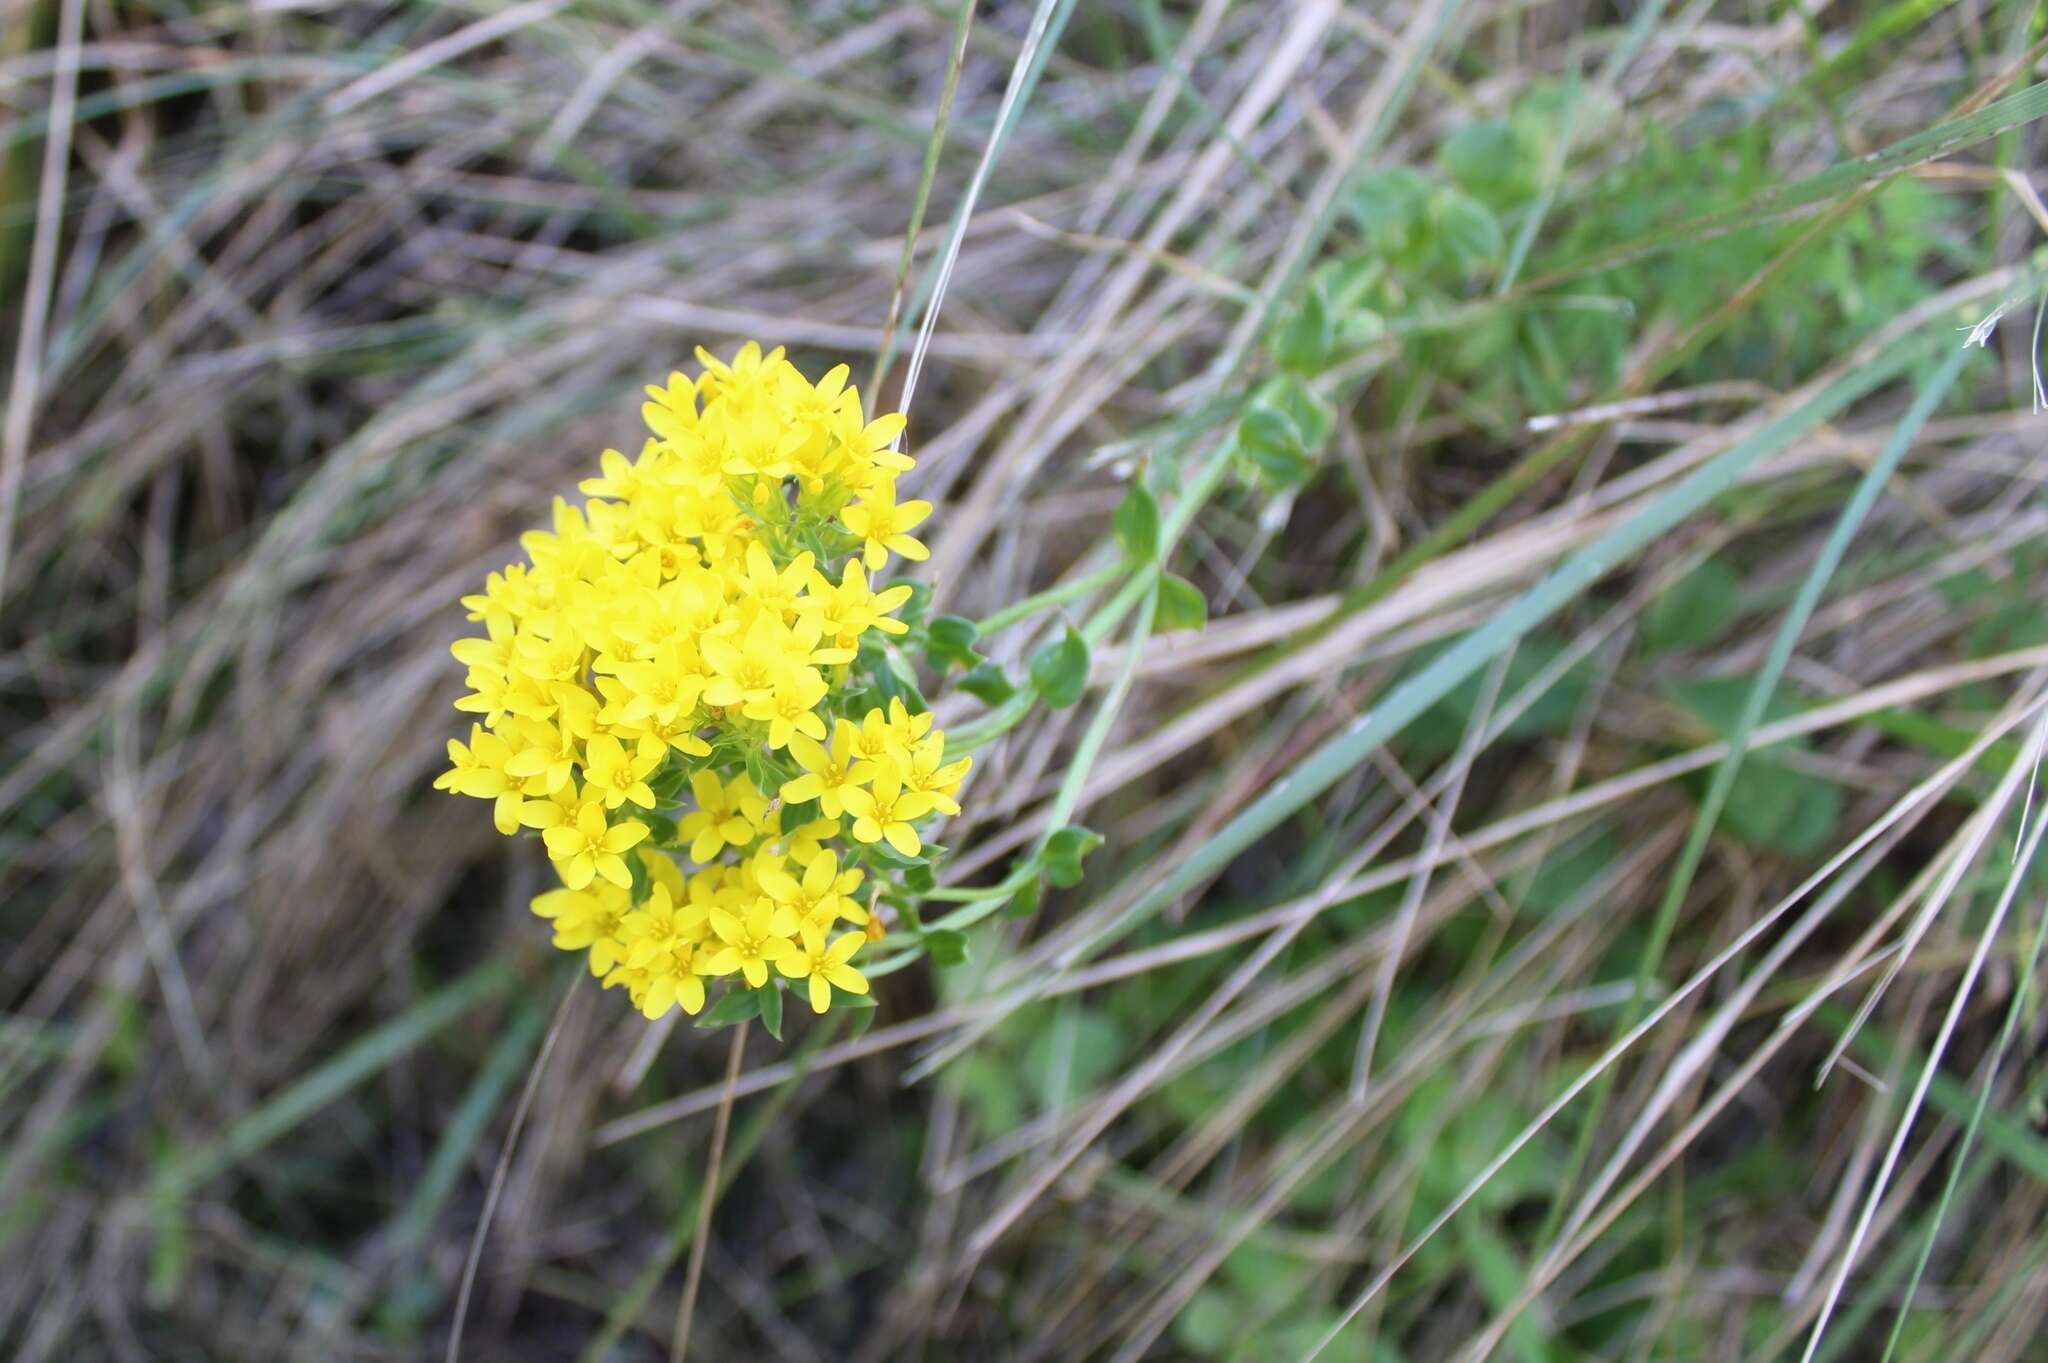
(889, 856)
(892, 678)
(1294, 1338)
(1313, 418)
(1025, 902)
(949, 640)
(1071, 1052)
(919, 601)
(1467, 233)
(766, 772)
(1181, 605)
(771, 1008)
(1209, 1322)
(1064, 851)
(738, 1005)
(988, 683)
(668, 783)
(1486, 158)
(1137, 523)
(860, 1009)
(1362, 327)
(640, 884)
(1717, 702)
(1268, 430)
(170, 1246)
(1774, 807)
(1770, 805)
(947, 946)
(1059, 670)
(1306, 341)
(1390, 207)
(1695, 610)
(1272, 440)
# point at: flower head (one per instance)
(684, 666)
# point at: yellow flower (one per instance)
(803, 844)
(821, 897)
(789, 708)
(479, 768)
(549, 759)
(886, 812)
(881, 745)
(618, 777)
(672, 414)
(728, 814)
(930, 774)
(662, 944)
(850, 609)
(870, 445)
(587, 919)
(623, 479)
(824, 966)
(885, 524)
(828, 773)
(745, 673)
(753, 941)
(774, 591)
(586, 847)
(664, 688)
(476, 768)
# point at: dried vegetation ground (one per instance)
(1547, 401)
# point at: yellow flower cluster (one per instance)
(687, 663)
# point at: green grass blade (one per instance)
(368, 1056)
(926, 175)
(2015, 1007)
(1410, 698)
(466, 1128)
(1761, 689)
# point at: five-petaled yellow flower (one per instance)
(585, 847)
(825, 967)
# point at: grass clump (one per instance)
(1496, 616)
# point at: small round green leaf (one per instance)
(1059, 670)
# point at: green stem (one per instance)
(1051, 597)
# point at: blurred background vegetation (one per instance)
(1586, 522)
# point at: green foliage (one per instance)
(1059, 670)
(947, 946)
(1429, 242)
(1307, 341)
(737, 1004)
(1274, 446)
(1771, 805)
(1695, 610)
(989, 683)
(770, 996)
(1251, 1314)
(1063, 853)
(1181, 605)
(1073, 1053)
(949, 642)
(1137, 523)
(1436, 732)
